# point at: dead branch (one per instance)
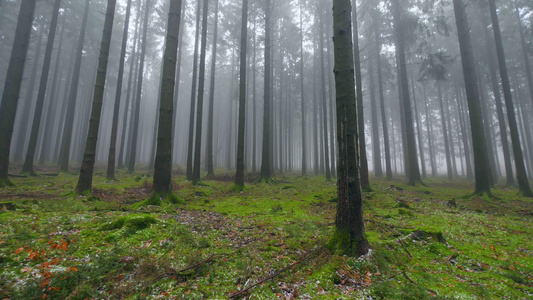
(238, 293)
(416, 283)
(405, 247)
(180, 272)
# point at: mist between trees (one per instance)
(442, 88)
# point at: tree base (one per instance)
(157, 200)
(5, 183)
(342, 244)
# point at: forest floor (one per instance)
(435, 241)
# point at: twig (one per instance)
(405, 247)
(176, 273)
(416, 283)
(237, 293)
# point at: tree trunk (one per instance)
(210, 117)
(64, 154)
(523, 183)
(363, 161)
(302, 95)
(10, 94)
(190, 145)
(525, 54)
(163, 159)
(138, 96)
(411, 155)
(239, 175)
(36, 123)
(118, 94)
(324, 98)
(444, 132)
(418, 132)
(349, 236)
(87, 166)
(266, 170)
(481, 167)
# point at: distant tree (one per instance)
(363, 161)
(525, 54)
(210, 117)
(302, 93)
(64, 154)
(411, 164)
(239, 176)
(87, 166)
(190, 145)
(266, 169)
(323, 95)
(11, 92)
(36, 122)
(118, 95)
(481, 166)
(200, 100)
(349, 236)
(163, 159)
(521, 175)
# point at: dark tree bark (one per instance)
(10, 94)
(376, 147)
(349, 236)
(177, 81)
(36, 122)
(138, 96)
(411, 164)
(163, 158)
(87, 166)
(200, 101)
(481, 167)
(521, 175)
(118, 94)
(363, 161)
(64, 154)
(210, 117)
(190, 145)
(525, 55)
(239, 175)
(266, 170)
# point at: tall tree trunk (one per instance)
(118, 94)
(87, 166)
(36, 122)
(190, 145)
(138, 95)
(444, 132)
(266, 170)
(163, 158)
(525, 54)
(481, 167)
(302, 94)
(10, 94)
(418, 132)
(26, 108)
(411, 155)
(53, 101)
(324, 98)
(210, 117)
(129, 106)
(177, 82)
(523, 183)
(386, 145)
(239, 175)
(64, 154)
(349, 233)
(430, 136)
(376, 147)
(254, 100)
(363, 161)
(464, 134)
(200, 101)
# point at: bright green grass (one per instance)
(65, 246)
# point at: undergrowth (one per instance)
(208, 241)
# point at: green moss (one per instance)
(158, 200)
(5, 183)
(341, 244)
(134, 221)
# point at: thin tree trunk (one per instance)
(521, 175)
(324, 98)
(36, 123)
(239, 176)
(481, 168)
(464, 135)
(266, 170)
(302, 94)
(64, 154)
(418, 132)
(10, 94)
(138, 95)
(525, 54)
(163, 159)
(444, 132)
(210, 117)
(118, 94)
(190, 145)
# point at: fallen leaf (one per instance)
(19, 250)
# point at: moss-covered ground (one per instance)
(436, 242)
